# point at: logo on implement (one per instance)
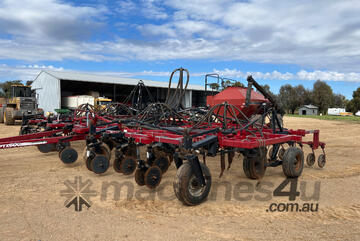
(13, 145)
(78, 193)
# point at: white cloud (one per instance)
(47, 20)
(317, 34)
(150, 9)
(29, 72)
(312, 34)
(301, 75)
(34, 30)
(23, 72)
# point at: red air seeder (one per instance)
(236, 120)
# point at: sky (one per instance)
(278, 42)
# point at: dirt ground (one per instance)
(32, 207)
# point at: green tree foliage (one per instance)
(266, 88)
(354, 104)
(6, 87)
(231, 83)
(323, 96)
(308, 97)
(281, 109)
(339, 101)
(292, 97)
(214, 86)
(29, 82)
(238, 84)
(301, 94)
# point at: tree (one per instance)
(323, 96)
(232, 83)
(339, 101)
(266, 88)
(238, 84)
(6, 87)
(29, 82)
(308, 97)
(292, 97)
(354, 104)
(214, 86)
(300, 93)
(350, 106)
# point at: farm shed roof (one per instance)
(88, 77)
(310, 107)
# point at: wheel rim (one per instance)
(310, 159)
(153, 177)
(128, 166)
(99, 164)
(68, 155)
(195, 188)
(321, 161)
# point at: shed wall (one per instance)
(307, 111)
(50, 89)
(47, 90)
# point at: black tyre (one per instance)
(117, 164)
(88, 163)
(310, 159)
(321, 160)
(45, 148)
(89, 153)
(188, 188)
(162, 162)
(293, 162)
(152, 177)
(1, 115)
(8, 116)
(254, 163)
(128, 165)
(87, 156)
(106, 150)
(99, 164)
(281, 153)
(140, 177)
(68, 155)
(271, 151)
(24, 130)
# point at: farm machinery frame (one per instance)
(246, 122)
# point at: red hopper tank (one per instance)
(237, 96)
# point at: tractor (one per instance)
(21, 103)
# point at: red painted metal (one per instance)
(237, 96)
